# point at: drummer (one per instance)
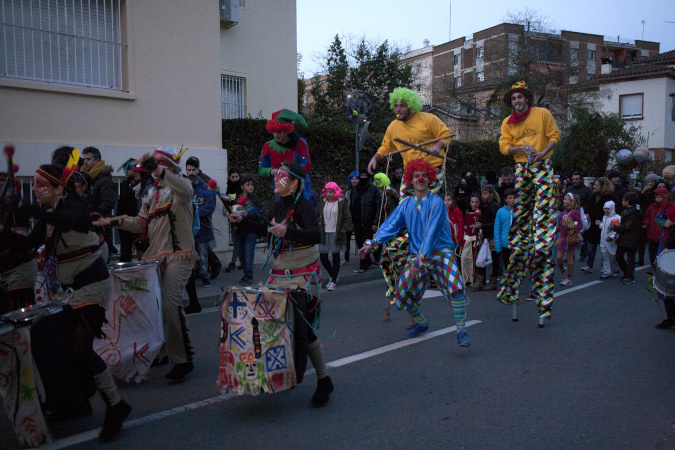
(18, 268)
(294, 235)
(64, 227)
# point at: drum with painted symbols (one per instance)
(664, 278)
(134, 333)
(256, 342)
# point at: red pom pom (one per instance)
(15, 168)
(241, 201)
(9, 151)
(213, 184)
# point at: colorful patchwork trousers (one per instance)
(395, 254)
(441, 266)
(531, 236)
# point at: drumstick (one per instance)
(113, 220)
(411, 146)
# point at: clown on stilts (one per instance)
(529, 134)
(418, 128)
(431, 250)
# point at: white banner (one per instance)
(134, 332)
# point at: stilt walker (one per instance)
(529, 134)
(414, 134)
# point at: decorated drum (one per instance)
(256, 347)
(664, 279)
(134, 332)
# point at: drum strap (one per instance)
(77, 254)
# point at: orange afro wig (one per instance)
(418, 165)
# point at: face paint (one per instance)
(283, 181)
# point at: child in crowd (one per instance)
(569, 238)
(456, 220)
(472, 220)
(503, 227)
(655, 217)
(335, 220)
(489, 207)
(629, 233)
(608, 240)
(233, 190)
(244, 242)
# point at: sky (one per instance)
(407, 23)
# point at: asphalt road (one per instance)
(598, 375)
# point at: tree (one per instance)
(588, 141)
(373, 67)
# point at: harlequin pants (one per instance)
(531, 236)
(395, 254)
(444, 270)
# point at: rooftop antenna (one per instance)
(450, 23)
(643, 29)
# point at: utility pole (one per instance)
(450, 23)
(643, 29)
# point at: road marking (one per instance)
(577, 288)
(93, 434)
(396, 345)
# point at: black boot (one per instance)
(191, 289)
(114, 418)
(179, 371)
(230, 268)
(324, 387)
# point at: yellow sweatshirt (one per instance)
(420, 127)
(537, 130)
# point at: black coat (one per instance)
(596, 212)
(364, 204)
(488, 216)
(629, 229)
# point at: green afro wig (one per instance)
(407, 95)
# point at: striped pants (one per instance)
(531, 236)
(395, 254)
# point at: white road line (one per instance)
(576, 288)
(93, 434)
(396, 345)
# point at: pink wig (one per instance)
(337, 192)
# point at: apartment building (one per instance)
(127, 76)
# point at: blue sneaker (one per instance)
(416, 330)
(463, 339)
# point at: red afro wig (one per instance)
(276, 125)
(418, 165)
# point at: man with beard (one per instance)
(506, 181)
(529, 134)
(413, 126)
(287, 146)
(205, 206)
(365, 201)
(397, 178)
(103, 195)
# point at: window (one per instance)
(455, 105)
(630, 106)
(480, 76)
(233, 97)
(458, 82)
(590, 55)
(495, 111)
(574, 57)
(457, 59)
(480, 53)
(65, 42)
(672, 106)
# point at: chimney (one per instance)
(426, 42)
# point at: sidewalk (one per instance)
(207, 296)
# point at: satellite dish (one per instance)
(358, 106)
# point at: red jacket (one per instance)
(653, 230)
(470, 218)
(457, 225)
